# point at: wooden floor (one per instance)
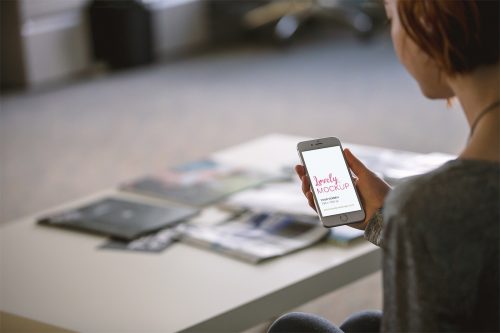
(10, 323)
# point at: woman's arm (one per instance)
(373, 229)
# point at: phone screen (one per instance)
(331, 181)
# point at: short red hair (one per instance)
(460, 35)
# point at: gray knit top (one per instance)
(440, 237)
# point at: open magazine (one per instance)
(254, 237)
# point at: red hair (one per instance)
(460, 35)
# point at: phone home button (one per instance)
(344, 218)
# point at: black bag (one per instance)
(122, 33)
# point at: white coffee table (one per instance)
(61, 278)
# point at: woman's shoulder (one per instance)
(457, 190)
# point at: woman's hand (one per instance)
(371, 188)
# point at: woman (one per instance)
(440, 231)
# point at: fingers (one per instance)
(306, 187)
(300, 170)
(310, 200)
(354, 163)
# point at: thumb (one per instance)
(354, 163)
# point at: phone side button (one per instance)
(344, 218)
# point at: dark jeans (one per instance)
(366, 321)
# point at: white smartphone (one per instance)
(335, 196)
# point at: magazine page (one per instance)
(254, 237)
(198, 183)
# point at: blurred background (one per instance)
(96, 92)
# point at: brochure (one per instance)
(254, 237)
(198, 184)
(156, 242)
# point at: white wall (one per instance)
(57, 45)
